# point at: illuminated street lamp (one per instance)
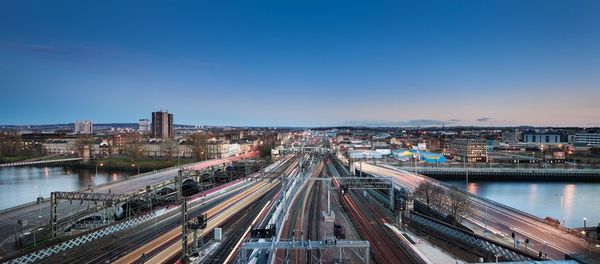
(138, 168)
(96, 175)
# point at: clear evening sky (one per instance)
(306, 63)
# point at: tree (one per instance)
(459, 205)
(438, 198)
(132, 149)
(199, 145)
(268, 142)
(432, 194)
(168, 148)
(11, 144)
(424, 192)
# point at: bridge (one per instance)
(321, 150)
(27, 163)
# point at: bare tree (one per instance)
(11, 144)
(459, 205)
(168, 148)
(424, 192)
(199, 145)
(437, 198)
(132, 149)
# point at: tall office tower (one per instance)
(162, 125)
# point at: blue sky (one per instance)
(307, 63)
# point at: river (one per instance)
(580, 200)
(19, 185)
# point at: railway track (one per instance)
(114, 246)
(314, 215)
(369, 222)
(237, 226)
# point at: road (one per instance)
(31, 213)
(499, 219)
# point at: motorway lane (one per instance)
(31, 213)
(500, 220)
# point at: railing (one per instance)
(501, 170)
(470, 240)
(25, 163)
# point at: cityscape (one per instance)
(300, 132)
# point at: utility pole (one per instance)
(184, 230)
(184, 215)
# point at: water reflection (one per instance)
(17, 184)
(543, 198)
(472, 188)
(532, 195)
(569, 201)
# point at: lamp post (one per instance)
(39, 201)
(562, 219)
(572, 156)
(587, 235)
(96, 174)
(138, 168)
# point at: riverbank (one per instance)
(19, 158)
(123, 165)
(509, 174)
(127, 165)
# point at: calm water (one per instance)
(19, 185)
(543, 199)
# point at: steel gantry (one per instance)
(303, 244)
(107, 199)
(364, 183)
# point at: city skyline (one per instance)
(495, 63)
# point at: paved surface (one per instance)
(501, 220)
(426, 250)
(40, 213)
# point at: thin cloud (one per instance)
(408, 123)
(36, 48)
(483, 119)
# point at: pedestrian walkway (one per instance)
(427, 251)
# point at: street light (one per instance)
(96, 175)
(138, 168)
(562, 220)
